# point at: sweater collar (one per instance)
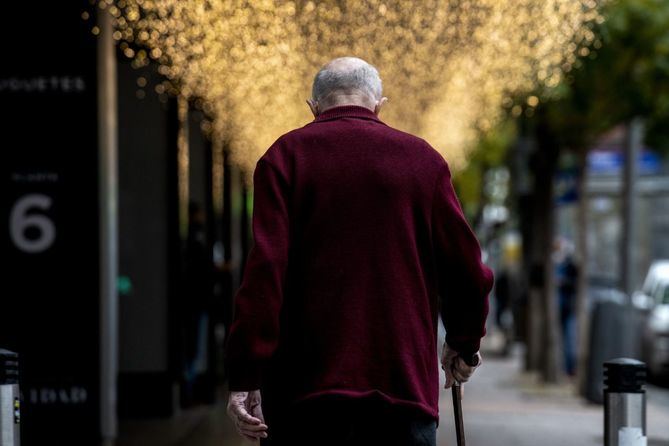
(347, 111)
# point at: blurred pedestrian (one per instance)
(357, 231)
(567, 276)
(196, 297)
(502, 297)
(503, 314)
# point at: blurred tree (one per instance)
(625, 74)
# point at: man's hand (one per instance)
(246, 412)
(455, 368)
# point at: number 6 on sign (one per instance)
(20, 221)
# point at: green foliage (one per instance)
(625, 75)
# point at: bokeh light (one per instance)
(450, 68)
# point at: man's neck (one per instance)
(343, 100)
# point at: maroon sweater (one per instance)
(357, 233)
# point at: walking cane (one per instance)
(456, 390)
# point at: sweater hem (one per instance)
(353, 394)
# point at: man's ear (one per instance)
(377, 107)
(313, 106)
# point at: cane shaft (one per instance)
(457, 412)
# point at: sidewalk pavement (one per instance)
(502, 407)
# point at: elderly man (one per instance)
(360, 245)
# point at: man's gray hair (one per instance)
(347, 75)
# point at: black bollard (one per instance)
(10, 403)
(624, 402)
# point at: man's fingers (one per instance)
(251, 432)
(251, 421)
(261, 434)
(455, 368)
(461, 375)
(256, 411)
(251, 427)
(237, 410)
(460, 371)
(462, 380)
(245, 410)
(449, 379)
(243, 416)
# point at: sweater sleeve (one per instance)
(254, 332)
(464, 281)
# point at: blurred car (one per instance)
(658, 273)
(654, 299)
